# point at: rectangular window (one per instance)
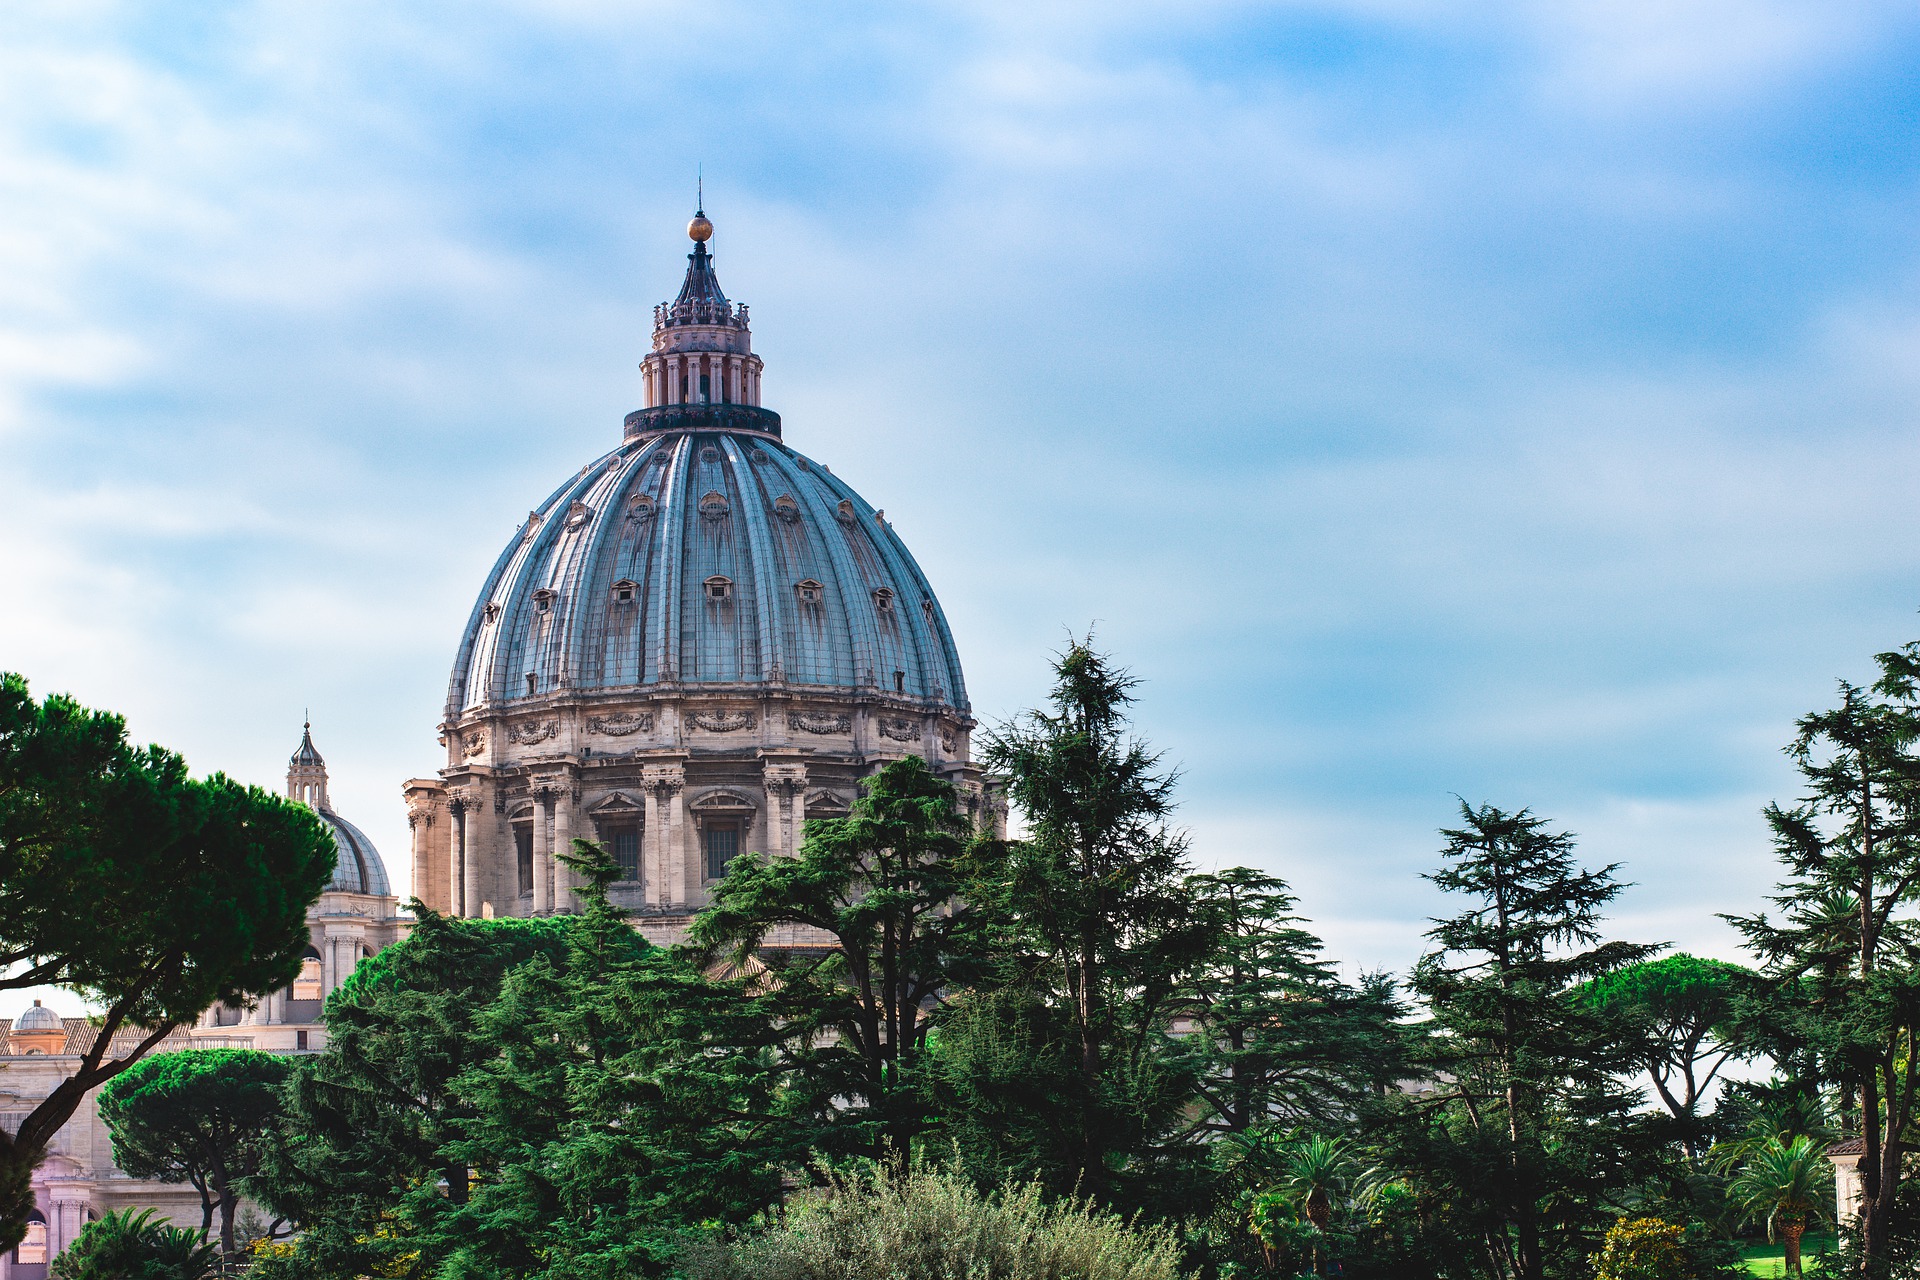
(624, 844)
(723, 845)
(300, 1041)
(523, 846)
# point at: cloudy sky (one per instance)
(1513, 400)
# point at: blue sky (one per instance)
(1513, 400)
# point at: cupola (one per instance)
(702, 350)
(38, 1030)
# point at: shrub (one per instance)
(934, 1224)
(129, 1246)
(1642, 1249)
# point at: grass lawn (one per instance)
(1765, 1259)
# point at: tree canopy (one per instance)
(201, 1116)
(152, 894)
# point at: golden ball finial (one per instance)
(700, 229)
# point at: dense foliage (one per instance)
(203, 1117)
(917, 1049)
(930, 1224)
(125, 1245)
(151, 893)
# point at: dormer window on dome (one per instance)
(543, 600)
(714, 506)
(845, 513)
(490, 613)
(640, 507)
(808, 590)
(883, 599)
(625, 590)
(578, 514)
(719, 588)
(786, 508)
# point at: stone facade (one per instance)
(79, 1181)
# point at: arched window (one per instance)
(719, 588)
(32, 1248)
(307, 985)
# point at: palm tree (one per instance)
(1786, 1183)
(128, 1244)
(1312, 1171)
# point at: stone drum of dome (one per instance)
(696, 643)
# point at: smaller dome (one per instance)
(38, 1018)
(359, 868)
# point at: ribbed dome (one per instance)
(718, 558)
(38, 1018)
(358, 868)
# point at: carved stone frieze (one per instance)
(619, 724)
(949, 739)
(531, 731)
(814, 722)
(899, 729)
(473, 744)
(721, 721)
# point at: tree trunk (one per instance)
(1790, 1234)
(228, 1203)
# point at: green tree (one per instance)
(1091, 931)
(203, 1117)
(152, 894)
(362, 1159)
(125, 1245)
(631, 1099)
(1844, 946)
(1683, 1008)
(1785, 1184)
(1274, 1035)
(1525, 1125)
(872, 899)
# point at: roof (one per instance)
(705, 557)
(1848, 1147)
(306, 755)
(81, 1034)
(701, 284)
(358, 867)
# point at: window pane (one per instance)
(723, 843)
(523, 844)
(626, 851)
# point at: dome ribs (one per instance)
(752, 509)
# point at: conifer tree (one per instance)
(857, 937)
(1843, 945)
(153, 894)
(203, 1117)
(1525, 1128)
(1088, 933)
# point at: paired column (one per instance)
(543, 851)
(565, 879)
(457, 901)
(664, 854)
(786, 787)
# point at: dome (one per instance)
(358, 868)
(697, 644)
(38, 1018)
(706, 558)
(357, 865)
